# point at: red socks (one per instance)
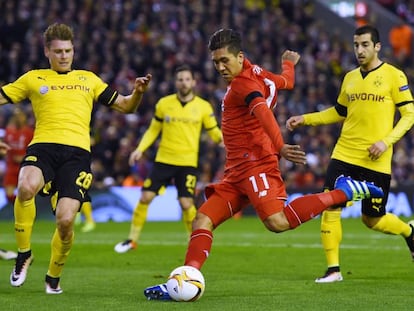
(309, 206)
(198, 248)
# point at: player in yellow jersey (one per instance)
(62, 99)
(180, 118)
(369, 98)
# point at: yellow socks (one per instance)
(391, 224)
(188, 217)
(24, 216)
(59, 254)
(331, 235)
(87, 212)
(138, 220)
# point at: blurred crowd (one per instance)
(120, 40)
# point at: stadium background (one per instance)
(119, 40)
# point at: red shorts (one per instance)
(262, 186)
(12, 176)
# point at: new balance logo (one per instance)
(262, 193)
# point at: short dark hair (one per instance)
(226, 38)
(184, 67)
(57, 31)
(368, 29)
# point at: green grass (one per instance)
(249, 269)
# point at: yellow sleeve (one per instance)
(326, 116)
(150, 135)
(403, 125)
(215, 134)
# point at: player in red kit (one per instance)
(17, 135)
(254, 145)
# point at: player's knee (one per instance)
(186, 203)
(202, 221)
(65, 226)
(147, 197)
(369, 222)
(26, 190)
(276, 223)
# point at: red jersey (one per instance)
(17, 139)
(244, 136)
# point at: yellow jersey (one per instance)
(180, 126)
(62, 104)
(368, 104)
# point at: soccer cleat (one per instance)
(88, 227)
(330, 277)
(123, 247)
(52, 285)
(157, 292)
(19, 273)
(410, 239)
(7, 255)
(358, 190)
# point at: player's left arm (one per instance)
(130, 103)
(403, 125)
(211, 126)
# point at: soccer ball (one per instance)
(185, 283)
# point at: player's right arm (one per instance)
(147, 140)
(327, 116)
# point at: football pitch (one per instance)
(249, 268)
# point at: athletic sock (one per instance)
(391, 224)
(24, 217)
(309, 206)
(138, 220)
(87, 212)
(331, 236)
(59, 254)
(199, 248)
(188, 217)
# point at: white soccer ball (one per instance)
(185, 283)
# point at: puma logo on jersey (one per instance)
(82, 192)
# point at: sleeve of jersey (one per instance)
(403, 125)
(285, 80)
(268, 122)
(107, 97)
(210, 124)
(327, 116)
(215, 134)
(150, 135)
(17, 91)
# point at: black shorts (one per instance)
(183, 177)
(370, 207)
(65, 169)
